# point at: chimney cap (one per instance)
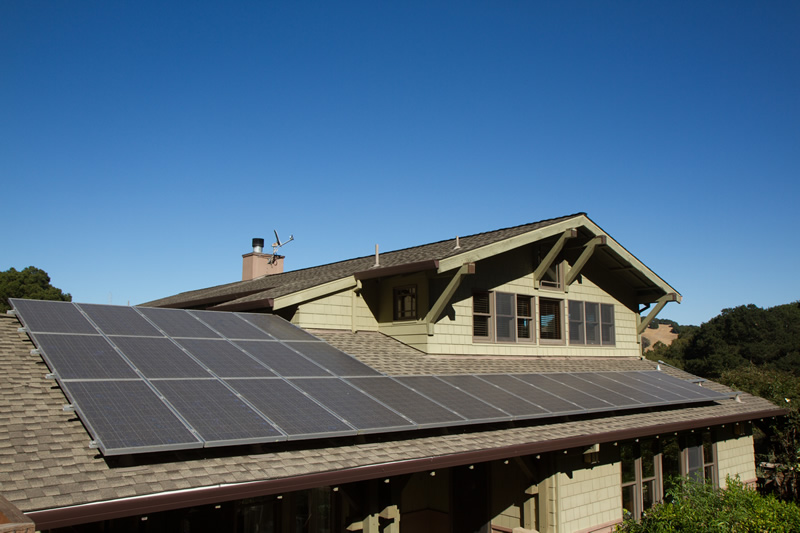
(258, 245)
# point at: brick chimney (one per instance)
(257, 263)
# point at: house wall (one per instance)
(370, 309)
(735, 455)
(453, 332)
(580, 497)
(343, 310)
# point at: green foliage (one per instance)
(743, 335)
(698, 507)
(32, 282)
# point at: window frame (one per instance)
(399, 312)
(487, 315)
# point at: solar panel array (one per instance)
(152, 379)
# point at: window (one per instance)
(553, 277)
(700, 461)
(502, 317)
(641, 476)
(550, 320)
(482, 316)
(591, 323)
(648, 464)
(405, 303)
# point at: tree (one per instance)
(693, 506)
(31, 282)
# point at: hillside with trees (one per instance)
(31, 282)
(755, 350)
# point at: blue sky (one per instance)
(144, 144)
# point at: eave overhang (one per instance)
(395, 270)
(143, 505)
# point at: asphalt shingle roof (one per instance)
(276, 285)
(45, 460)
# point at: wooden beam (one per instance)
(588, 250)
(551, 255)
(438, 306)
(660, 303)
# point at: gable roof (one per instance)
(280, 290)
(48, 470)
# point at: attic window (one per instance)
(405, 303)
(553, 277)
(591, 323)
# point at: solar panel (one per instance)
(82, 357)
(277, 327)
(159, 358)
(682, 388)
(614, 398)
(543, 399)
(466, 405)
(295, 413)
(51, 317)
(282, 360)
(621, 385)
(238, 378)
(128, 417)
(224, 359)
(216, 413)
(494, 396)
(355, 407)
(565, 392)
(336, 361)
(229, 325)
(421, 410)
(178, 323)
(118, 320)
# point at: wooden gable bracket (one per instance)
(588, 250)
(551, 255)
(438, 306)
(660, 303)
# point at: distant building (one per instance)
(540, 324)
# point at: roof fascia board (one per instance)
(318, 291)
(406, 268)
(509, 244)
(93, 512)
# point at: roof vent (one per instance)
(258, 245)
